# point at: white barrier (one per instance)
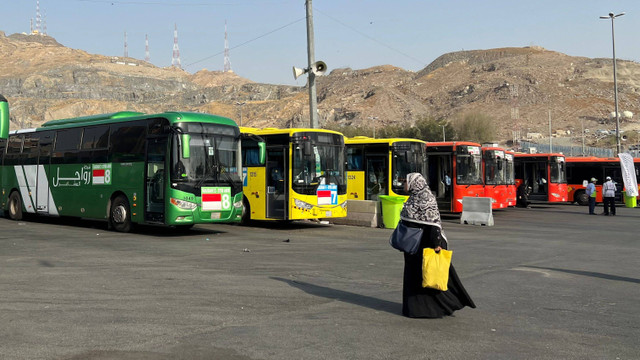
(476, 211)
(361, 213)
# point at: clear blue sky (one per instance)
(268, 37)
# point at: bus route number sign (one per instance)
(327, 194)
(216, 198)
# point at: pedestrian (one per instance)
(523, 193)
(609, 197)
(591, 193)
(421, 210)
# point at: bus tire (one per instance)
(581, 198)
(15, 206)
(120, 214)
(246, 212)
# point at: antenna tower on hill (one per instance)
(227, 62)
(147, 57)
(44, 23)
(126, 46)
(175, 61)
(38, 19)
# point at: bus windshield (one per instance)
(493, 167)
(318, 161)
(213, 159)
(468, 165)
(558, 171)
(408, 157)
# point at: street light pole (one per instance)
(615, 79)
(444, 138)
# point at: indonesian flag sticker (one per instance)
(98, 176)
(324, 197)
(211, 202)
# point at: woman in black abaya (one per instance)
(421, 210)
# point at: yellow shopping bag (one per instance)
(435, 268)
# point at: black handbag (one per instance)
(406, 239)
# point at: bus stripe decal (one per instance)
(24, 191)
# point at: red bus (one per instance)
(493, 169)
(461, 161)
(510, 178)
(581, 169)
(545, 174)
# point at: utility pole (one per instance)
(313, 98)
(550, 137)
(582, 137)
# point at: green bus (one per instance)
(175, 168)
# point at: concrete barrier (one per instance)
(361, 213)
(476, 211)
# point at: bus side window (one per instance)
(67, 144)
(14, 148)
(126, 142)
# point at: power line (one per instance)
(181, 4)
(370, 38)
(249, 41)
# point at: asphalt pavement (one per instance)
(549, 282)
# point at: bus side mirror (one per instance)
(307, 148)
(499, 165)
(262, 146)
(186, 146)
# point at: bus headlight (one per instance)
(303, 205)
(555, 195)
(343, 205)
(184, 205)
(237, 204)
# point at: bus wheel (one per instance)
(120, 216)
(15, 206)
(581, 198)
(246, 212)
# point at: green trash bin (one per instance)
(629, 201)
(391, 208)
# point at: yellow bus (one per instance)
(303, 176)
(371, 163)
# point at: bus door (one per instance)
(277, 185)
(535, 176)
(155, 179)
(376, 175)
(439, 167)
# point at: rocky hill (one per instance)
(518, 87)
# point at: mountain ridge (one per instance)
(517, 87)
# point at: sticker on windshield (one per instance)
(216, 198)
(211, 151)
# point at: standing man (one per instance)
(609, 197)
(591, 193)
(447, 185)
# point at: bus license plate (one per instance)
(215, 216)
(327, 213)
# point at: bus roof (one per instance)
(595, 159)
(289, 131)
(452, 143)
(123, 116)
(368, 140)
(538, 155)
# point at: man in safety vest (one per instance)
(591, 193)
